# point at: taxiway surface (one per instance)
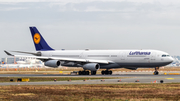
(98, 75)
(142, 78)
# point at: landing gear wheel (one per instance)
(156, 72)
(93, 72)
(87, 72)
(80, 73)
(110, 72)
(102, 72)
(106, 72)
(83, 72)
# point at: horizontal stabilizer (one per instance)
(8, 53)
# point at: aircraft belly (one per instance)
(157, 64)
(114, 65)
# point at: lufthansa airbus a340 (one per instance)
(93, 60)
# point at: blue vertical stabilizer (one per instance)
(39, 42)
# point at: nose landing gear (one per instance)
(156, 71)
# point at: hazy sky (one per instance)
(93, 24)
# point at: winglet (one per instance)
(8, 53)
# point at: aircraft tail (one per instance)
(39, 42)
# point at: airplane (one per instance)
(22, 64)
(93, 60)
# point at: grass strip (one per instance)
(98, 92)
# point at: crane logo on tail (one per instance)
(37, 38)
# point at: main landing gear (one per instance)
(106, 72)
(83, 72)
(93, 72)
(87, 72)
(156, 71)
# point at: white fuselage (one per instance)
(116, 58)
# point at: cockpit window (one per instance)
(165, 55)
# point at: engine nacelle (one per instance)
(52, 63)
(91, 66)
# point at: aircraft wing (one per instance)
(63, 59)
(79, 60)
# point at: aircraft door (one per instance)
(83, 55)
(122, 56)
(153, 57)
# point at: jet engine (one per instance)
(91, 66)
(52, 63)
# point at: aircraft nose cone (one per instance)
(171, 59)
